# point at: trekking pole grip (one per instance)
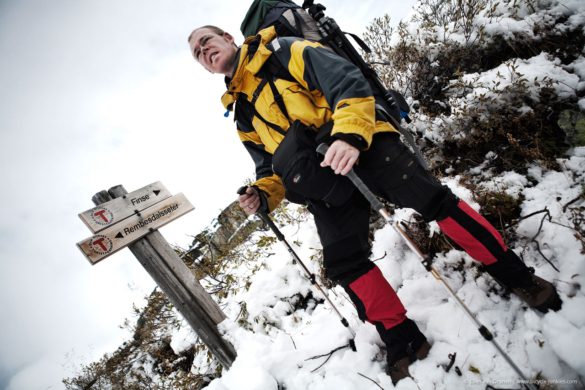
(264, 217)
(351, 175)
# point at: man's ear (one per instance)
(229, 38)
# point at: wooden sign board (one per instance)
(114, 211)
(119, 235)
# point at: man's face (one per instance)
(215, 52)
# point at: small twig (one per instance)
(545, 210)
(215, 279)
(571, 202)
(536, 242)
(465, 361)
(502, 226)
(328, 356)
(560, 224)
(380, 258)
(216, 291)
(546, 258)
(241, 310)
(533, 239)
(541, 224)
(373, 381)
(565, 84)
(331, 290)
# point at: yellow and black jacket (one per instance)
(321, 87)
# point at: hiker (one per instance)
(289, 95)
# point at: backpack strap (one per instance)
(271, 70)
(298, 24)
(258, 90)
(285, 19)
(278, 99)
(247, 109)
(274, 127)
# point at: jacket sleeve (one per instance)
(266, 180)
(346, 90)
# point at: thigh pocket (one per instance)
(390, 162)
(304, 176)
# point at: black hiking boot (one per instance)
(515, 276)
(405, 344)
(539, 294)
(399, 369)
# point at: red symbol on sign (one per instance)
(102, 216)
(101, 244)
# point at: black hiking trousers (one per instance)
(392, 172)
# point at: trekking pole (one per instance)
(426, 261)
(311, 276)
(337, 40)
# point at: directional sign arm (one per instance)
(119, 235)
(115, 210)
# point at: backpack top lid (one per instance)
(254, 18)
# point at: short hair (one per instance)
(215, 29)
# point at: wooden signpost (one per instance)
(123, 219)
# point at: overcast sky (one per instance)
(95, 94)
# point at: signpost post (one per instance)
(123, 219)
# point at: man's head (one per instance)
(214, 49)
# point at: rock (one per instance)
(573, 124)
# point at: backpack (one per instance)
(289, 19)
